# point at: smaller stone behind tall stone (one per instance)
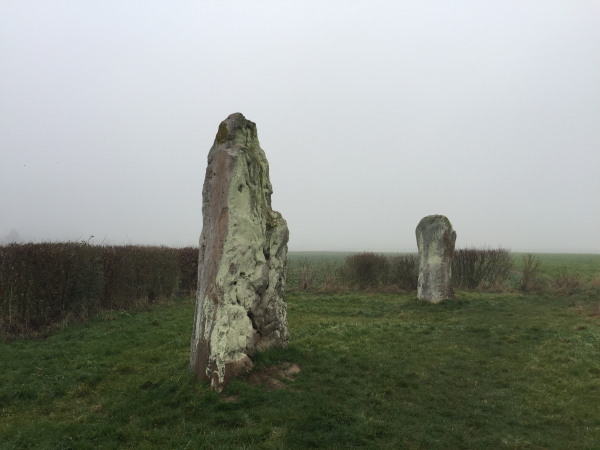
(435, 240)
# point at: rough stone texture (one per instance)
(435, 239)
(240, 302)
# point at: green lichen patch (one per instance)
(221, 136)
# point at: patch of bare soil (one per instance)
(273, 377)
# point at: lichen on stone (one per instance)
(435, 241)
(240, 306)
(221, 137)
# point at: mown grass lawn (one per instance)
(379, 371)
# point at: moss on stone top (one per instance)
(221, 137)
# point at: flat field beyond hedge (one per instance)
(380, 371)
(585, 264)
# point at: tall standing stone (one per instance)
(435, 240)
(240, 302)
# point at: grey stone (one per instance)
(240, 302)
(435, 240)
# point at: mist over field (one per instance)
(371, 118)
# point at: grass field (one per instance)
(378, 371)
(587, 265)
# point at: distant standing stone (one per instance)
(435, 240)
(240, 302)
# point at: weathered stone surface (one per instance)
(435, 240)
(240, 302)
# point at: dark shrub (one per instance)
(365, 270)
(567, 282)
(403, 271)
(471, 267)
(188, 270)
(307, 276)
(530, 269)
(43, 284)
(138, 274)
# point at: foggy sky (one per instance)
(372, 115)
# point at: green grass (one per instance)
(379, 371)
(551, 264)
(586, 265)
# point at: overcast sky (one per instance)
(372, 115)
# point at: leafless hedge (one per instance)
(472, 267)
(46, 283)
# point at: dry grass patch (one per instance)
(273, 377)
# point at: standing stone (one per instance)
(240, 302)
(435, 240)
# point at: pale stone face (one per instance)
(240, 304)
(435, 240)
